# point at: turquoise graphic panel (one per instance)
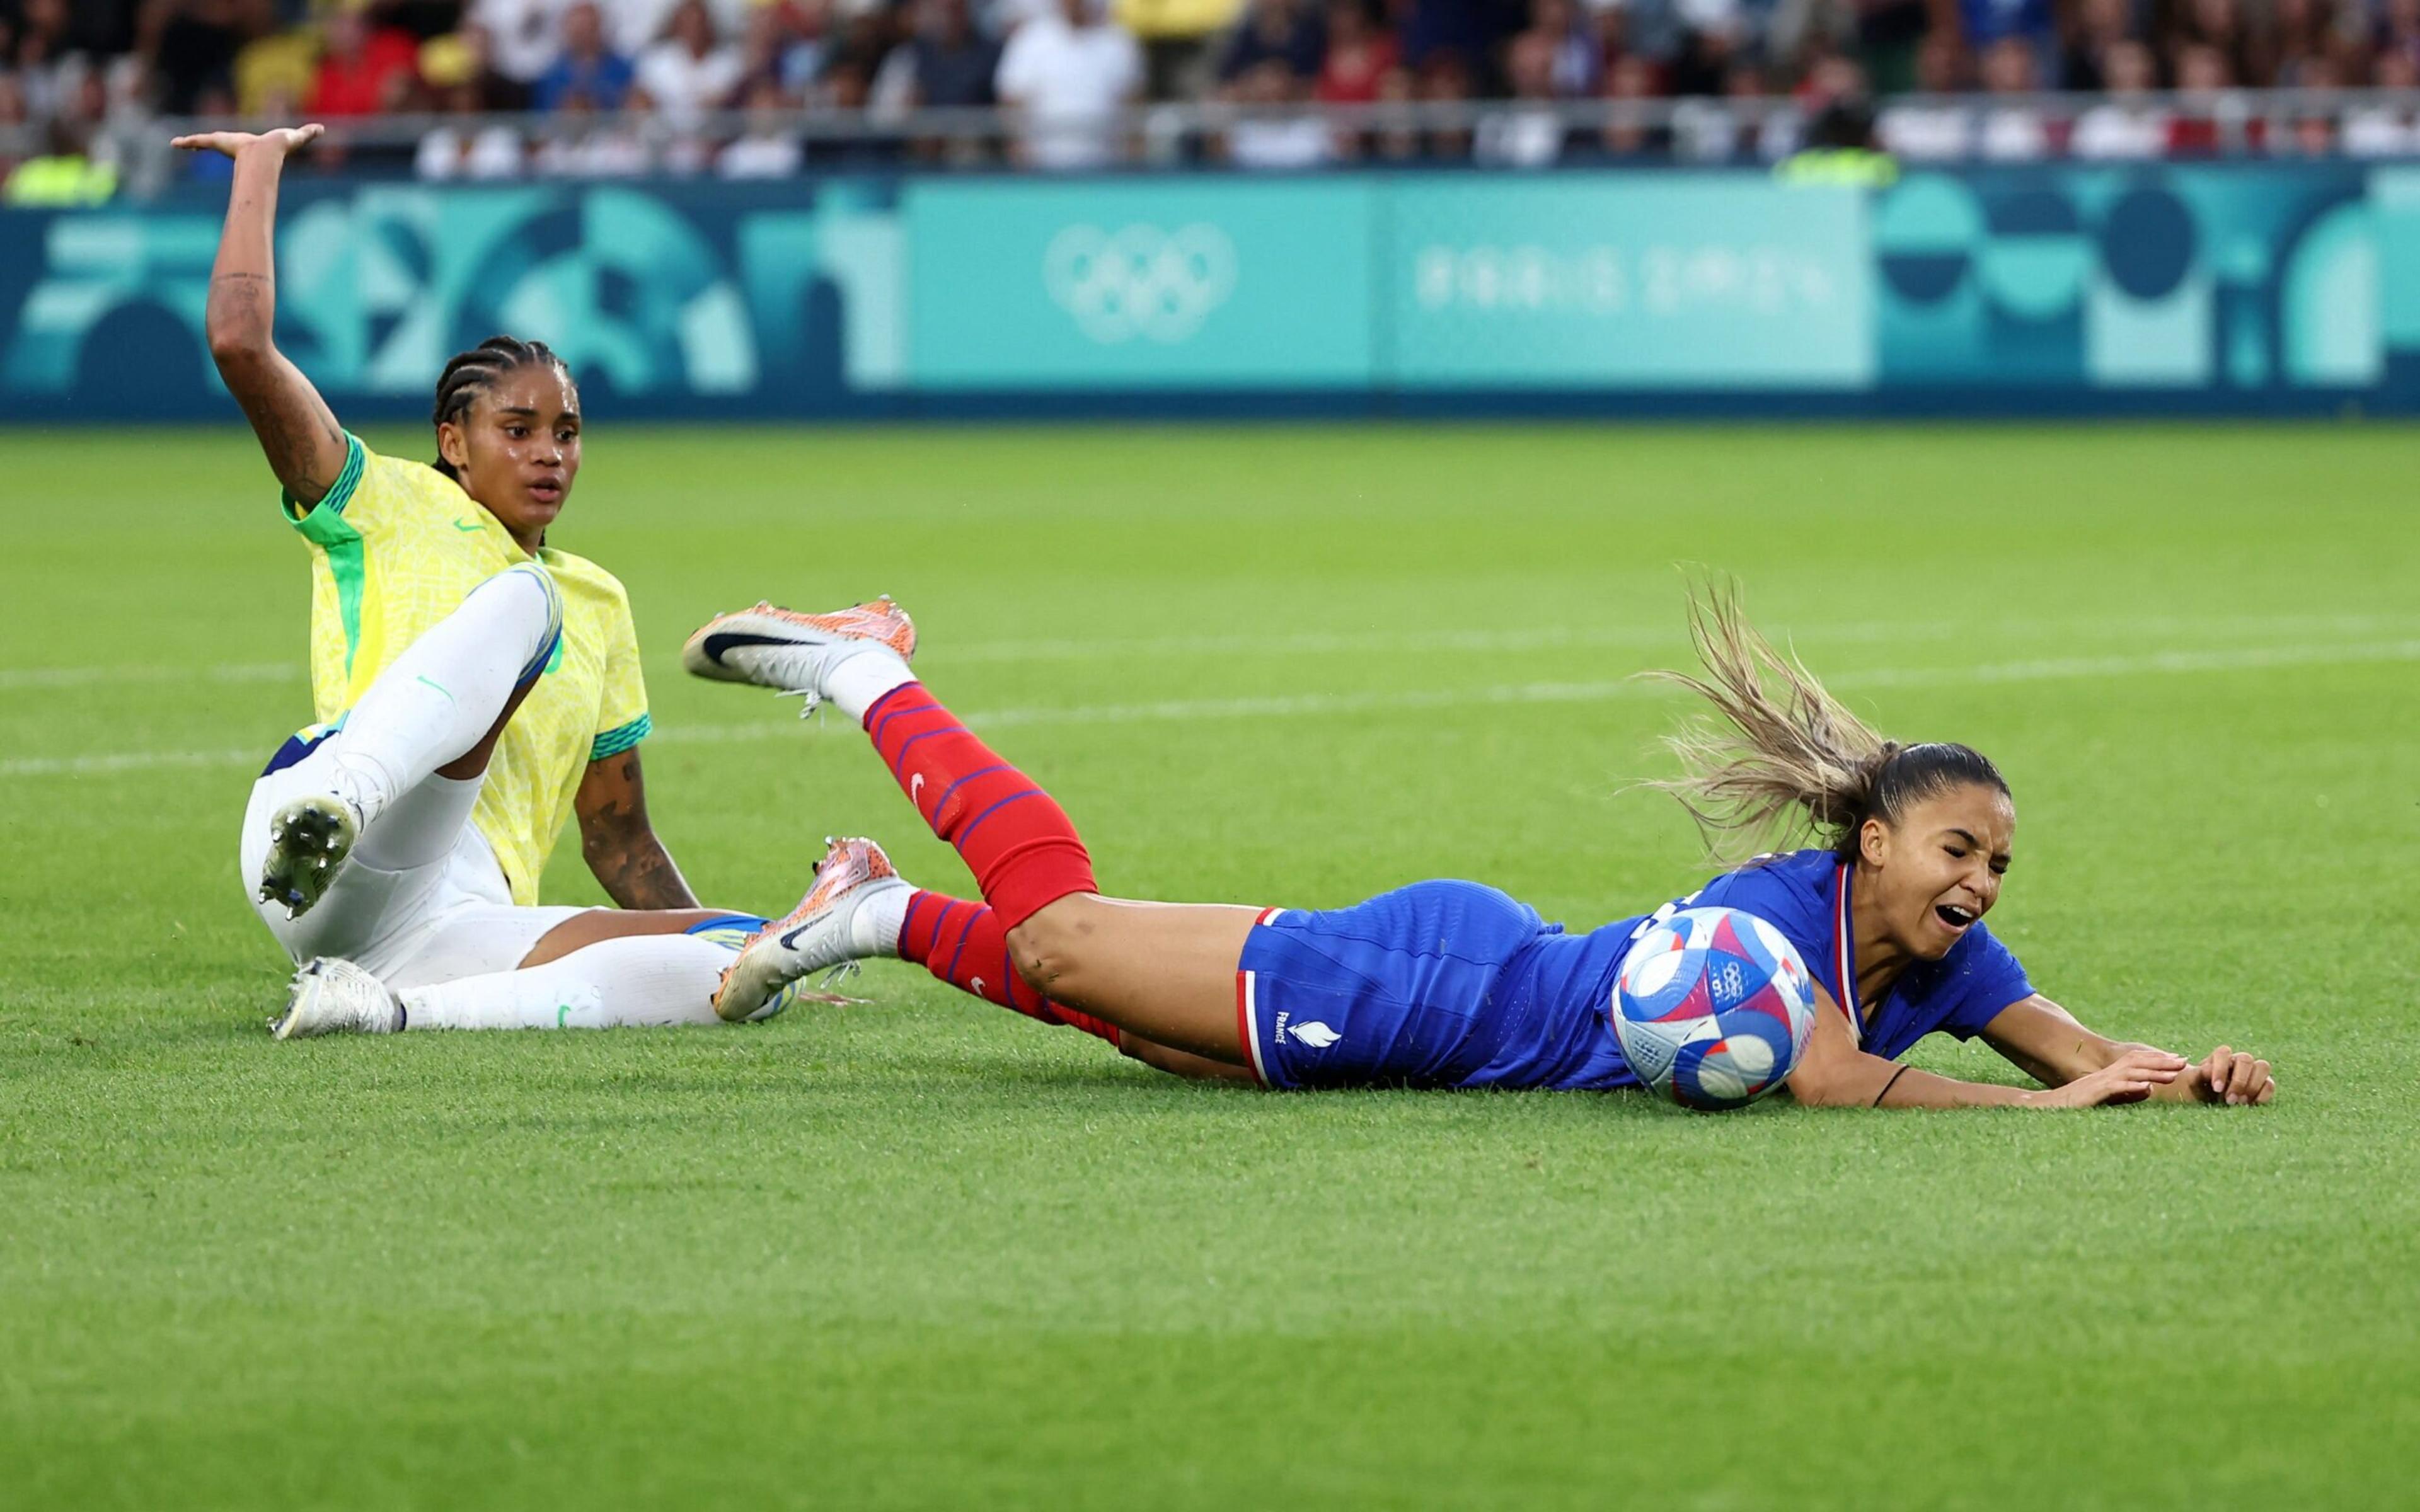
(2395, 219)
(2237, 287)
(1196, 283)
(2213, 281)
(691, 300)
(1674, 281)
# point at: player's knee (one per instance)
(1039, 955)
(1048, 949)
(531, 582)
(536, 609)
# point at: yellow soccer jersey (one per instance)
(395, 547)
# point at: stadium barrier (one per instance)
(1606, 132)
(2238, 288)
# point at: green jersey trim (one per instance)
(331, 508)
(621, 737)
(325, 528)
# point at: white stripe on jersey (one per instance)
(1845, 959)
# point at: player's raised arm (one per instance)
(306, 445)
(2046, 1041)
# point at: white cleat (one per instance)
(830, 927)
(332, 996)
(308, 842)
(794, 653)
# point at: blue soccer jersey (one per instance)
(1805, 895)
(1452, 985)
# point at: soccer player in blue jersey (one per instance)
(1454, 984)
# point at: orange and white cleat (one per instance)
(852, 913)
(793, 652)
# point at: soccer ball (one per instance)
(1712, 1007)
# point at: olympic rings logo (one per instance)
(1141, 281)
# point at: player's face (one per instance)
(1936, 872)
(519, 448)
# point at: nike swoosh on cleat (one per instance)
(790, 941)
(716, 645)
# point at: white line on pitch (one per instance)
(1301, 705)
(1298, 704)
(1542, 638)
(1547, 638)
(134, 761)
(43, 677)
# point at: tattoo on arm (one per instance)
(622, 848)
(643, 876)
(295, 441)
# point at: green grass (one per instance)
(923, 1253)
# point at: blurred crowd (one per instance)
(628, 85)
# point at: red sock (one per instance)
(964, 945)
(1019, 845)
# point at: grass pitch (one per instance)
(924, 1253)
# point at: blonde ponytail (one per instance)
(1781, 757)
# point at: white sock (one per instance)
(436, 699)
(857, 683)
(422, 825)
(633, 980)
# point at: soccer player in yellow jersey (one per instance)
(475, 690)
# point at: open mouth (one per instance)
(549, 492)
(1954, 915)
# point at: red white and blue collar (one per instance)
(1844, 957)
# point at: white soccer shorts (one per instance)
(450, 918)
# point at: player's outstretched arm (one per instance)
(306, 445)
(2046, 1042)
(1834, 1072)
(620, 844)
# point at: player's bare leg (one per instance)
(1178, 1063)
(598, 924)
(860, 909)
(1165, 972)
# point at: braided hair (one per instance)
(1782, 756)
(475, 372)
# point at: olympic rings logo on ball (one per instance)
(1141, 281)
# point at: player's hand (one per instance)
(288, 140)
(2234, 1078)
(2130, 1078)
